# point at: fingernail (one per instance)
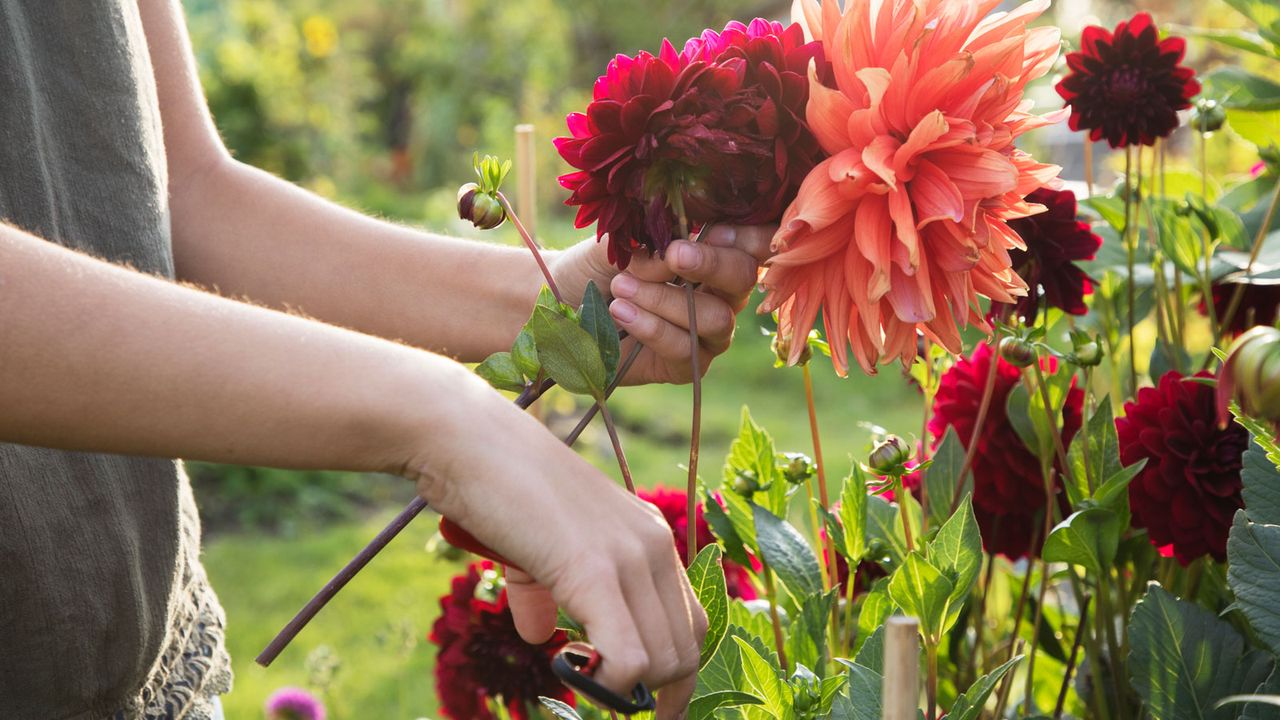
(722, 236)
(623, 311)
(686, 256)
(625, 285)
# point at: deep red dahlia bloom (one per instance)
(1190, 488)
(1128, 86)
(1260, 305)
(672, 503)
(717, 128)
(480, 655)
(1055, 239)
(1008, 493)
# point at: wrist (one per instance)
(578, 264)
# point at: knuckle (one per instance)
(720, 317)
(630, 664)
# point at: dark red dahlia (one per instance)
(1190, 488)
(1008, 493)
(480, 656)
(1128, 86)
(1055, 239)
(717, 129)
(1259, 305)
(674, 509)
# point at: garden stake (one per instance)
(526, 177)
(901, 669)
(1071, 661)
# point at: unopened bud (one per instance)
(745, 483)
(1209, 116)
(782, 350)
(1086, 351)
(799, 468)
(1017, 352)
(480, 209)
(1251, 375)
(888, 457)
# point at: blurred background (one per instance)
(379, 105)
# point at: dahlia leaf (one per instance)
(1184, 659)
(1258, 127)
(525, 354)
(784, 549)
(706, 577)
(807, 637)
(742, 519)
(835, 530)
(1261, 477)
(1255, 711)
(1088, 538)
(863, 697)
(1240, 89)
(1109, 207)
(853, 517)
(1239, 39)
(596, 320)
(753, 452)
(764, 681)
(942, 480)
(754, 626)
(969, 705)
(877, 606)
(1112, 493)
(723, 528)
(500, 371)
(1103, 452)
(724, 672)
(957, 552)
(568, 353)
(704, 707)
(922, 591)
(884, 527)
(559, 709)
(1177, 239)
(1023, 419)
(1253, 573)
(1167, 357)
(871, 654)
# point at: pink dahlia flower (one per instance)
(901, 229)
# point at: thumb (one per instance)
(532, 608)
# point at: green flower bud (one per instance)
(782, 350)
(1086, 351)
(798, 469)
(888, 457)
(1251, 374)
(807, 692)
(745, 483)
(1017, 352)
(480, 209)
(1209, 116)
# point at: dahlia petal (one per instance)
(978, 174)
(905, 224)
(909, 303)
(813, 246)
(873, 236)
(817, 205)
(929, 129)
(878, 157)
(934, 195)
(828, 114)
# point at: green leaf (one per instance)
(1258, 711)
(559, 709)
(784, 549)
(1018, 410)
(724, 672)
(1184, 659)
(957, 551)
(568, 353)
(922, 591)
(1088, 538)
(753, 451)
(862, 699)
(884, 525)
(722, 527)
(764, 681)
(968, 706)
(1263, 436)
(547, 299)
(1109, 208)
(807, 636)
(1238, 39)
(500, 371)
(1263, 13)
(853, 516)
(871, 654)
(1103, 452)
(741, 514)
(1240, 89)
(834, 529)
(525, 354)
(596, 320)
(1261, 486)
(1113, 493)
(877, 606)
(704, 707)
(942, 477)
(1260, 128)
(1253, 573)
(706, 577)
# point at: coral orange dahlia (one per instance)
(906, 223)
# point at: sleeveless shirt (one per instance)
(105, 611)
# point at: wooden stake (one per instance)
(901, 669)
(526, 178)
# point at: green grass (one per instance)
(376, 627)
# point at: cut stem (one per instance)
(532, 244)
(617, 445)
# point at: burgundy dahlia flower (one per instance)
(292, 703)
(1055, 239)
(481, 656)
(1127, 86)
(1190, 488)
(717, 130)
(1008, 493)
(672, 503)
(1259, 305)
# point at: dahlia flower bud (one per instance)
(479, 208)
(745, 483)
(888, 457)
(1017, 352)
(798, 469)
(1251, 375)
(782, 350)
(1209, 116)
(1086, 351)
(807, 693)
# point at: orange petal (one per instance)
(828, 114)
(873, 234)
(905, 224)
(934, 195)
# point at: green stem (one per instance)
(1130, 247)
(824, 499)
(1206, 282)
(1051, 415)
(1108, 626)
(1081, 631)
(898, 491)
(931, 679)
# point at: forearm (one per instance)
(97, 357)
(247, 233)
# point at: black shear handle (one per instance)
(577, 662)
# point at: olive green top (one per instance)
(99, 574)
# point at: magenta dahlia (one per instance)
(1008, 493)
(1128, 85)
(291, 703)
(716, 130)
(1190, 488)
(1055, 239)
(480, 655)
(674, 509)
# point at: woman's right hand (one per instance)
(585, 544)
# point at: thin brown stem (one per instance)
(532, 244)
(1130, 246)
(984, 407)
(617, 445)
(695, 433)
(1035, 630)
(772, 596)
(1051, 416)
(828, 547)
(1002, 695)
(1071, 661)
(980, 620)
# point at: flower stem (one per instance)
(828, 547)
(617, 445)
(695, 432)
(1051, 416)
(931, 678)
(898, 492)
(980, 621)
(532, 244)
(1081, 630)
(1131, 248)
(984, 407)
(1206, 281)
(771, 595)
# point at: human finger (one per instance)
(715, 317)
(532, 607)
